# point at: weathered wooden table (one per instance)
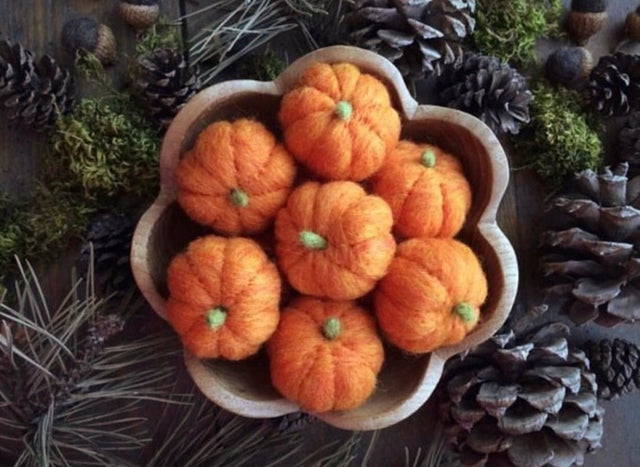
(38, 24)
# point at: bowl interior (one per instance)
(402, 376)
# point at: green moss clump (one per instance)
(106, 148)
(263, 67)
(38, 228)
(162, 35)
(561, 138)
(509, 29)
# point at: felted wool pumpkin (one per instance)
(426, 190)
(325, 355)
(224, 297)
(431, 295)
(235, 178)
(334, 240)
(339, 122)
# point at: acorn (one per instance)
(569, 66)
(140, 14)
(632, 25)
(585, 19)
(87, 35)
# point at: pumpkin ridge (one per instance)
(359, 273)
(192, 329)
(405, 199)
(263, 167)
(265, 265)
(307, 371)
(424, 267)
(193, 192)
(196, 273)
(314, 363)
(214, 175)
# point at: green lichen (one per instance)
(509, 29)
(561, 138)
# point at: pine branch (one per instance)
(71, 392)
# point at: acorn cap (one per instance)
(632, 25)
(589, 6)
(582, 25)
(569, 66)
(140, 14)
(88, 35)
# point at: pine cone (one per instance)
(593, 245)
(111, 235)
(614, 84)
(526, 403)
(616, 367)
(166, 83)
(419, 36)
(629, 142)
(34, 94)
(487, 88)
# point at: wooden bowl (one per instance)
(405, 382)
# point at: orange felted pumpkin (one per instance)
(339, 122)
(224, 297)
(426, 190)
(431, 295)
(333, 240)
(235, 178)
(325, 355)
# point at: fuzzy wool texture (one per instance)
(324, 374)
(228, 158)
(425, 201)
(357, 230)
(230, 274)
(331, 147)
(415, 303)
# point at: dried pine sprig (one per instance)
(438, 453)
(235, 28)
(509, 29)
(70, 394)
(201, 433)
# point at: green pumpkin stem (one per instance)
(312, 240)
(428, 158)
(343, 110)
(239, 198)
(216, 317)
(465, 311)
(331, 328)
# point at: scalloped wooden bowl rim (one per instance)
(487, 227)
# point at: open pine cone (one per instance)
(521, 403)
(33, 93)
(165, 83)
(419, 36)
(487, 88)
(614, 84)
(593, 244)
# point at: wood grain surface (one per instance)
(38, 23)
